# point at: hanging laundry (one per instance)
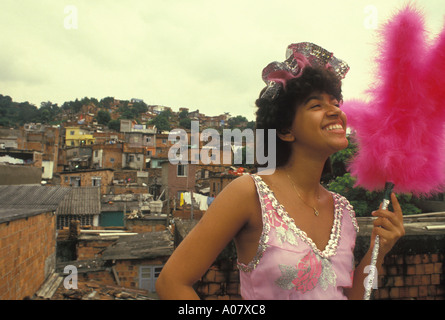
(201, 200)
(181, 199)
(187, 198)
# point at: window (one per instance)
(72, 133)
(65, 220)
(156, 163)
(95, 181)
(75, 181)
(130, 158)
(148, 276)
(182, 170)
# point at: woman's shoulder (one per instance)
(238, 199)
(241, 190)
(244, 185)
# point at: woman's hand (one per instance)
(389, 226)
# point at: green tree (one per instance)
(26, 113)
(363, 201)
(183, 114)
(114, 125)
(5, 105)
(103, 117)
(185, 123)
(162, 121)
(139, 107)
(48, 111)
(107, 102)
(340, 159)
(235, 122)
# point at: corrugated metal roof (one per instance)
(19, 201)
(81, 201)
(31, 195)
(147, 245)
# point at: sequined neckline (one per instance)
(331, 247)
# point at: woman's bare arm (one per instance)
(227, 215)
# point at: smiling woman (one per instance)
(279, 113)
(286, 226)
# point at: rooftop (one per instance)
(81, 201)
(20, 201)
(141, 246)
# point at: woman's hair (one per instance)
(279, 113)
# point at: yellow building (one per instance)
(75, 136)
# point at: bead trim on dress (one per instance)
(330, 250)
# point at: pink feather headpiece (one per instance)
(299, 56)
(400, 131)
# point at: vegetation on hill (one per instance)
(15, 114)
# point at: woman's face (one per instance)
(319, 125)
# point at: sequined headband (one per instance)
(299, 56)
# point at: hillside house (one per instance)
(77, 136)
(102, 178)
(138, 259)
(81, 204)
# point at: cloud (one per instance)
(198, 54)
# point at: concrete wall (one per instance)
(12, 175)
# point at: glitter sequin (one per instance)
(298, 56)
(288, 264)
(292, 233)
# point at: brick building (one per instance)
(102, 178)
(107, 156)
(27, 238)
(178, 178)
(139, 259)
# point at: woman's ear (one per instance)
(286, 135)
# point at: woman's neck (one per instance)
(304, 172)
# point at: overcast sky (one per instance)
(198, 54)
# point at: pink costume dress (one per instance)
(288, 265)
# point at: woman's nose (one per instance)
(334, 110)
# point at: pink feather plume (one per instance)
(400, 131)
